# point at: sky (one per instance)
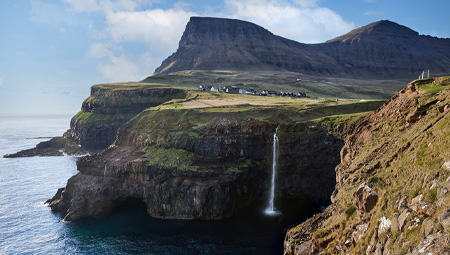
(52, 52)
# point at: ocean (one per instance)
(28, 226)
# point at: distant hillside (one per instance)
(382, 49)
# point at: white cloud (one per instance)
(121, 68)
(2, 79)
(310, 24)
(107, 5)
(127, 21)
(100, 50)
(306, 3)
(160, 29)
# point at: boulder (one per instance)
(427, 245)
(365, 198)
(402, 219)
(446, 165)
(431, 226)
(444, 219)
(385, 225)
(413, 117)
(360, 231)
(419, 206)
(395, 226)
(403, 204)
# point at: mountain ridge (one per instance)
(378, 50)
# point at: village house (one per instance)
(205, 87)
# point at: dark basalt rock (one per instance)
(380, 50)
(231, 168)
(107, 110)
(53, 147)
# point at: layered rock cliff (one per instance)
(207, 163)
(379, 50)
(109, 106)
(392, 183)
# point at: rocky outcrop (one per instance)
(365, 198)
(53, 147)
(186, 169)
(110, 106)
(56, 146)
(404, 162)
(380, 50)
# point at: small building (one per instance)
(214, 89)
(247, 91)
(232, 89)
(205, 87)
(250, 92)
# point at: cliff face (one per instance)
(109, 107)
(226, 44)
(379, 50)
(194, 164)
(392, 183)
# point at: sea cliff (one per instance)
(212, 162)
(392, 183)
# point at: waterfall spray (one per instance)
(270, 208)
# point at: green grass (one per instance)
(283, 81)
(85, 117)
(431, 86)
(170, 158)
(385, 162)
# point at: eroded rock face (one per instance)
(95, 127)
(228, 169)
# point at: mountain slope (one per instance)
(214, 44)
(379, 50)
(399, 155)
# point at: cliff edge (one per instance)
(392, 183)
(191, 159)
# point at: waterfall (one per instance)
(270, 210)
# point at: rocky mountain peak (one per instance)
(379, 29)
(208, 30)
(382, 49)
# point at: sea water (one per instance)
(27, 226)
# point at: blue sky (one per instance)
(53, 51)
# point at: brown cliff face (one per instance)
(401, 154)
(379, 50)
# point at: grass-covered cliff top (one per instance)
(274, 108)
(120, 86)
(402, 152)
(283, 109)
(314, 86)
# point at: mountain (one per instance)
(382, 49)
